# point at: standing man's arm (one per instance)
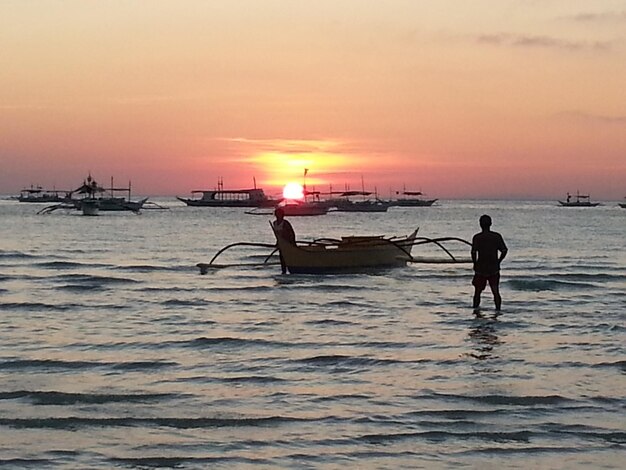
(503, 250)
(474, 251)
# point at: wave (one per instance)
(95, 280)
(76, 422)
(554, 431)
(66, 265)
(15, 255)
(150, 268)
(344, 304)
(342, 360)
(328, 321)
(182, 461)
(64, 398)
(511, 400)
(498, 436)
(204, 342)
(74, 365)
(619, 364)
(21, 463)
(38, 306)
(599, 277)
(251, 379)
(188, 303)
(546, 284)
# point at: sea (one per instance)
(116, 353)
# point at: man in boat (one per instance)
(488, 251)
(284, 229)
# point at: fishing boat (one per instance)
(304, 208)
(412, 199)
(37, 194)
(358, 201)
(581, 200)
(349, 254)
(221, 197)
(94, 198)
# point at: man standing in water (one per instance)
(488, 251)
(284, 229)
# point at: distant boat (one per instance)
(221, 197)
(344, 203)
(38, 194)
(95, 199)
(622, 204)
(412, 199)
(304, 208)
(581, 200)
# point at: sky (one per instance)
(510, 99)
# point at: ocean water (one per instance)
(116, 353)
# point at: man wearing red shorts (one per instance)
(488, 251)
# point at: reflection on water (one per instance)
(483, 335)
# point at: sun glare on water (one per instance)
(293, 191)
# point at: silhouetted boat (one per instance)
(350, 254)
(95, 199)
(38, 194)
(344, 203)
(304, 208)
(412, 199)
(622, 204)
(582, 200)
(221, 197)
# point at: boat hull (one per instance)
(109, 204)
(349, 206)
(305, 209)
(579, 204)
(349, 255)
(414, 202)
(90, 207)
(222, 203)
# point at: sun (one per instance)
(293, 191)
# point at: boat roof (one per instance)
(232, 191)
(355, 193)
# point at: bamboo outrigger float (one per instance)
(353, 254)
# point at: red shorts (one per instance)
(480, 281)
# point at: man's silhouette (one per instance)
(488, 251)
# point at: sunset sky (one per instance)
(459, 99)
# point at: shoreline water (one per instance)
(114, 351)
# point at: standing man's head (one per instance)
(279, 213)
(485, 222)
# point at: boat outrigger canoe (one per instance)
(354, 253)
(351, 254)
